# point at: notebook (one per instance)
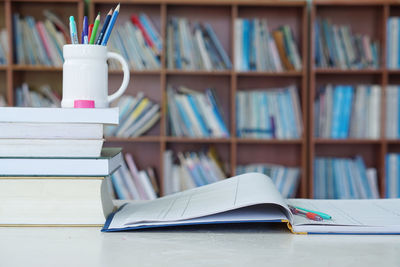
(252, 197)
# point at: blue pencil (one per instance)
(110, 26)
(85, 31)
(104, 28)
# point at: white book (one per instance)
(393, 176)
(109, 161)
(253, 197)
(119, 185)
(168, 172)
(50, 147)
(30, 130)
(375, 112)
(27, 201)
(192, 117)
(203, 51)
(372, 178)
(395, 44)
(127, 178)
(59, 115)
(151, 194)
(238, 44)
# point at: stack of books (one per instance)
(39, 43)
(197, 49)
(139, 42)
(4, 49)
(344, 111)
(195, 114)
(44, 96)
(392, 175)
(344, 178)
(191, 169)
(53, 168)
(392, 112)
(337, 47)
(393, 42)
(138, 114)
(258, 49)
(129, 183)
(269, 113)
(286, 179)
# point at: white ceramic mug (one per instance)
(85, 75)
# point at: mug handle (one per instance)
(125, 80)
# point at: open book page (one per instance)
(230, 194)
(350, 216)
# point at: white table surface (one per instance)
(237, 245)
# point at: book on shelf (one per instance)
(336, 46)
(187, 170)
(39, 42)
(392, 161)
(286, 179)
(344, 178)
(347, 111)
(269, 113)
(4, 49)
(139, 42)
(194, 46)
(392, 112)
(108, 161)
(44, 96)
(259, 49)
(138, 114)
(392, 37)
(253, 197)
(195, 114)
(3, 101)
(130, 183)
(57, 201)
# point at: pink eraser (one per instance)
(84, 104)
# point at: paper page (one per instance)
(354, 213)
(233, 193)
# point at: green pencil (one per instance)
(94, 31)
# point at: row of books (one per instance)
(344, 111)
(272, 113)
(44, 96)
(139, 42)
(197, 49)
(38, 42)
(4, 49)
(392, 175)
(195, 114)
(138, 114)
(337, 46)
(256, 48)
(344, 178)
(191, 169)
(286, 179)
(130, 183)
(392, 112)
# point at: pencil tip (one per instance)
(110, 12)
(117, 8)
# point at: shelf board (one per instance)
(348, 3)
(171, 139)
(268, 141)
(35, 68)
(137, 72)
(348, 141)
(3, 67)
(269, 73)
(141, 139)
(393, 141)
(199, 72)
(393, 71)
(347, 71)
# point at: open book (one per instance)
(253, 197)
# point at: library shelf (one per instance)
(348, 71)
(136, 72)
(221, 15)
(348, 141)
(35, 68)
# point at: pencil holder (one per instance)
(85, 75)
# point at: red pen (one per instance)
(309, 215)
(90, 30)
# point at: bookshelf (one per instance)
(375, 14)
(148, 150)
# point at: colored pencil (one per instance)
(103, 30)
(94, 31)
(110, 26)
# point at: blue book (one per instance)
(389, 42)
(283, 114)
(220, 49)
(337, 100)
(39, 46)
(185, 118)
(338, 189)
(349, 93)
(316, 187)
(267, 115)
(363, 173)
(328, 34)
(245, 46)
(398, 110)
(291, 115)
(317, 54)
(177, 53)
(216, 112)
(398, 176)
(354, 191)
(251, 46)
(204, 129)
(151, 31)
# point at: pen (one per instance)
(90, 31)
(85, 39)
(103, 30)
(72, 29)
(309, 215)
(95, 27)
(110, 26)
(323, 215)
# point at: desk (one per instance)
(254, 245)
